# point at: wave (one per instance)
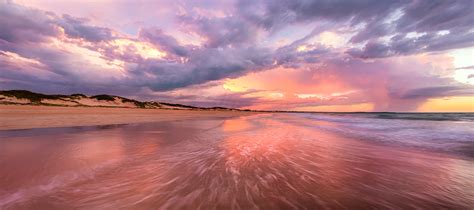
(427, 116)
(441, 132)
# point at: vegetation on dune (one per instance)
(218, 107)
(78, 95)
(139, 104)
(33, 97)
(179, 105)
(104, 97)
(36, 98)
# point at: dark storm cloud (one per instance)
(222, 31)
(203, 65)
(403, 45)
(372, 50)
(439, 25)
(212, 62)
(160, 39)
(276, 14)
(436, 15)
(371, 30)
(79, 28)
(236, 42)
(436, 91)
(229, 100)
(290, 57)
(376, 19)
(27, 57)
(20, 24)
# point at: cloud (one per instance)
(203, 65)
(437, 91)
(222, 31)
(78, 54)
(403, 45)
(21, 24)
(36, 52)
(230, 100)
(390, 84)
(161, 40)
(432, 16)
(444, 25)
(78, 28)
(378, 57)
(275, 15)
(423, 26)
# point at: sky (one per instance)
(301, 55)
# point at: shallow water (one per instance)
(266, 161)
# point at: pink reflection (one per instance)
(275, 161)
(237, 124)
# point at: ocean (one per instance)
(261, 161)
(441, 132)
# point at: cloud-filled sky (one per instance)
(366, 55)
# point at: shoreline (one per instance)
(15, 117)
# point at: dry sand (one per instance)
(27, 116)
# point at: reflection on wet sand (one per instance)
(259, 161)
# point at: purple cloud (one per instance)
(21, 24)
(68, 53)
(79, 28)
(437, 91)
(166, 42)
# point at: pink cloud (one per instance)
(230, 50)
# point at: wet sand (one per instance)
(27, 116)
(262, 161)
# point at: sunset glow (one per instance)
(451, 104)
(236, 104)
(235, 54)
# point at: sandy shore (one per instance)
(25, 116)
